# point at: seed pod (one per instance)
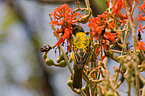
(60, 58)
(62, 64)
(49, 62)
(69, 82)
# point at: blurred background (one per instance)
(24, 29)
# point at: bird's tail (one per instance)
(77, 81)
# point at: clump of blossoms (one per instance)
(64, 17)
(100, 26)
(103, 27)
(140, 44)
(108, 39)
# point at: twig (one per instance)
(82, 92)
(135, 44)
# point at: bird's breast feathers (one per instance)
(81, 41)
(81, 49)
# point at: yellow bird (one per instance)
(81, 54)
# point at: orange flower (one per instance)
(98, 26)
(67, 33)
(60, 41)
(56, 33)
(142, 7)
(140, 28)
(117, 6)
(122, 17)
(64, 17)
(141, 45)
(111, 36)
(137, 1)
(140, 17)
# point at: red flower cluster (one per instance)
(66, 35)
(102, 26)
(140, 28)
(99, 26)
(141, 18)
(142, 7)
(64, 17)
(118, 5)
(141, 45)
